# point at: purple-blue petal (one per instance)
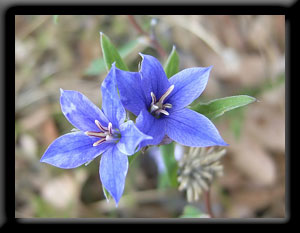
(80, 111)
(188, 85)
(113, 171)
(131, 92)
(111, 103)
(151, 126)
(190, 128)
(72, 150)
(154, 78)
(131, 137)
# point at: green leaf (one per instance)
(98, 65)
(111, 54)
(172, 64)
(167, 152)
(192, 212)
(218, 107)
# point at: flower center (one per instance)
(105, 134)
(158, 107)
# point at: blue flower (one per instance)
(160, 104)
(100, 132)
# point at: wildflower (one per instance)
(197, 170)
(160, 104)
(100, 132)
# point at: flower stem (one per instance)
(154, 42)
(208, 203)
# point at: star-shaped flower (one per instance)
(160, 104)
(100, 132)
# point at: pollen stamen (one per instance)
(162, 111)
(153, 98)
(105, 134)
(95, 134)
(167, 93)
(168, 105)
(100, 126)
(159, 107)
(154, 108)
(99, 142)
(109, 128)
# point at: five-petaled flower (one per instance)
(160, 104)
(100, 132)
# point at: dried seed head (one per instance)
(197, 170)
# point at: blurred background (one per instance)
(248, 57)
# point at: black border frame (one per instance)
(9, 20)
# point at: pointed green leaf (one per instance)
(172, 64)
(218, 107)
(98, 66)
(111, 54)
